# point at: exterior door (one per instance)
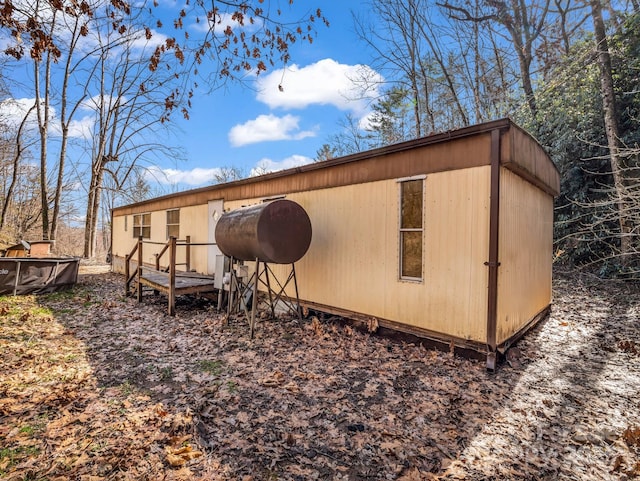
(215, 212)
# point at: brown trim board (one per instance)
(493, 262)
(466, 347)
(516, 336)
(452, 150)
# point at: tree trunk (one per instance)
(64, 125)
(91, 221)
(43, 123)
(16, 164)
(611, 127)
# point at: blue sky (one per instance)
(264, 127)
(254, 126)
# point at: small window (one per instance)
(142, 226)
(411, 229)
(173, 223)
(126, 224)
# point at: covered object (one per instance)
(448, 237)
(30, 275)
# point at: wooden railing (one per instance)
(166, 247)
(127, 265)
(171, 246)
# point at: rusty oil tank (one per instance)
(278, 232)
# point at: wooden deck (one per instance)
(170, 282)
(185, 283)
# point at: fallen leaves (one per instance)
(272, 380)
(630, 347)
(631, 436)
(94, 386)
(178, 457)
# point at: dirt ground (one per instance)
(94, 386)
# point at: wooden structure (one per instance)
(448, 237)
(164, 279)
(29, 249)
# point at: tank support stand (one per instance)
(244, 288)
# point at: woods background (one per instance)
(566, 70)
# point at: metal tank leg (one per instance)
(254, 303)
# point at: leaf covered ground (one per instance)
(94, 386)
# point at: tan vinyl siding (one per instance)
(526, 251)
(192, 223)
(456, 246)
(352, 263)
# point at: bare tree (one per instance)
(17, 149)
(75, 26)
(350, 139)
(128, 95)
(326, 152)
(612, 130)
(599, 229)
(397, 38)
(130, 106)
(228, 173)
(524, 23)
(42, 88)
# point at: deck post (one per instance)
(127, 258)
(139, 287)
(172, 276)
(188, 253)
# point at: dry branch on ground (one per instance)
(95, 387)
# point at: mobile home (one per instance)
(448, 237)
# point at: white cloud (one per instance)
(82, 128)
(140, 40)
(12, 111)
(326, 82)
(267, 165)
(196, 176)
(268, 128)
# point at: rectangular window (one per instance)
(173, 223)
(126, 226)
(411, 228)
(142, 226)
